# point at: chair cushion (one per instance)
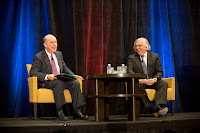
(152, 94)
(46, 96)
(67, 96)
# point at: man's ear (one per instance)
(44, 44)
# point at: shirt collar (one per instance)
(145, 55)
(49, 55)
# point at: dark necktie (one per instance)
(144, 67)
(53, 65)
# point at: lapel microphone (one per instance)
(51, 56)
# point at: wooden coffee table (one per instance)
(102, 94)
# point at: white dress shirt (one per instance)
(145, 60)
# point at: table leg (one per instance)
(100, 103)
(133, 102)
(106, 100)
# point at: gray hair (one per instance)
(44, 39)
(145, 41)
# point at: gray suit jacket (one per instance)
(41, 66)
(154, 66)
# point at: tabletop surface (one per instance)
(116, 76)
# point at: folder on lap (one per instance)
(65, 76)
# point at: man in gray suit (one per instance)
(149, 63)
(47, 64)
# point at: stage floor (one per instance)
(180, 122)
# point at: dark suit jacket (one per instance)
(41, 66)
(154, 66)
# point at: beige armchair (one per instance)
(151, 93)
(43, 95)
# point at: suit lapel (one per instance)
(148, 61)
(139, 62)
(46, 60)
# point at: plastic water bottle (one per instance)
(123, 68)
(108, 68)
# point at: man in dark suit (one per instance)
(149, 63)
(47, 64)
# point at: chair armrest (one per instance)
(80, 81)
(33, 88)
(171, 84)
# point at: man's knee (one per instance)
(142, 88)
(164, 83)
(59, 83)
(76, 83)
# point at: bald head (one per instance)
(50, 43)
(48, 36)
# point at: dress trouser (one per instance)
(161, 93)
(58, 86)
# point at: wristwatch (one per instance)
(155, 79)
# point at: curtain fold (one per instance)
(97, 29)
(184, 19)
(18, 31)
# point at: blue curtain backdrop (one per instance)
(184, 18)
(156, 29)
(23, 25)
(171, 26)
(19, 37)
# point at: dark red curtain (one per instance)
(97, 39)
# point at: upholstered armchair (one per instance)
(43, 95)
(151, 93)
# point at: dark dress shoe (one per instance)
(79, 116)
(61, 116)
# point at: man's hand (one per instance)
(77, 76)
(143, 81)
(147, 82)
(51, 77)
